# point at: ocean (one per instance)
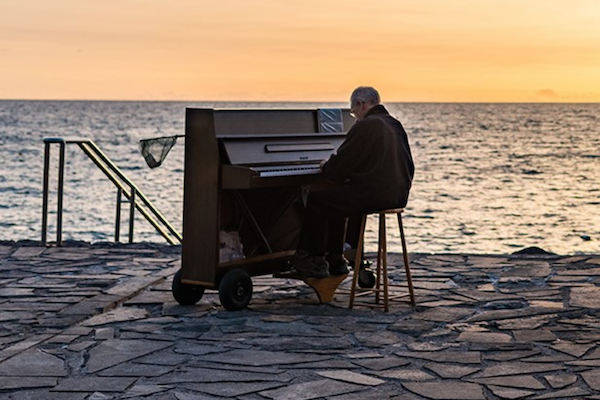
(490, 178)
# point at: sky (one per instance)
(305, 50)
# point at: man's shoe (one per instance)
(338, 265)
(308, 266)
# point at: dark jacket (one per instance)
(375, 161)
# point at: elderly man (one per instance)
(375, 169)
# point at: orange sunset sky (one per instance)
(309, 50)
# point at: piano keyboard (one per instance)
(288, 171)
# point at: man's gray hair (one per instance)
(365, 94)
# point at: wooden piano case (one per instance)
(222, 195)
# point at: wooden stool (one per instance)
(381, 271)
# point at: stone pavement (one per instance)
(99, 322)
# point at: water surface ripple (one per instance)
(490, 178)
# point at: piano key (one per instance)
(290, 171)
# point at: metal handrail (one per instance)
(124, 185)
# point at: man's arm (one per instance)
(350, 155)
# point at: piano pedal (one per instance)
(324, 287)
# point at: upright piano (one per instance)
(248, 172)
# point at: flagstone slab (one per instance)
(231, 391)
(180, 395)
(87, 307)
(43, 394)
(131, 285)
(241, 368)
(33, 362)
(587, 297)
(545, 293)
(584, 363)
(511, 355)
(38, 305)
(70, 255)
(105, 333)
(198, 349)
(120, 314)
(163, 357)
(311, 390)
(6, 316)
(444, 314)
(313, 342)
(547, 304)
(412, 326)
(563, 394)
(592, 378)
(379, 339)
(115, 351)
(560, 381)
(144, 390)
(263, 358)
(517, 368)
(379, 364)
(534, 335)
(557, 359)
(337, 364)
(134, 369)
(94, 384)
(460, 357)
(205, 375)
(486, 337)
(26, 382)
(526, 322)
(150, 297)
(407, 374)
(28, 252)
(352, 377)
(496, 315)
(583, 272)
(370, 395)
(451, 370)
(510, 394)
(80, 346)
(534, 269)
(517, 381)
(16, 292)
(593, 354)
(447, 390)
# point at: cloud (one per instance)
(547, 93)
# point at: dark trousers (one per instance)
(324, 227)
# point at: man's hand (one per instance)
(322, 163)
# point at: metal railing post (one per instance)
(61, 184)
(118, 218)
(45, 193)
(132, 212)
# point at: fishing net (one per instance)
(155, 150)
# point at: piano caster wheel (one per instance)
(185, 294)
(235, 290)
(366, 279)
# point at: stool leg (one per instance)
(357, 261)
(379, 257)
(406, 265)
(383, 241)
